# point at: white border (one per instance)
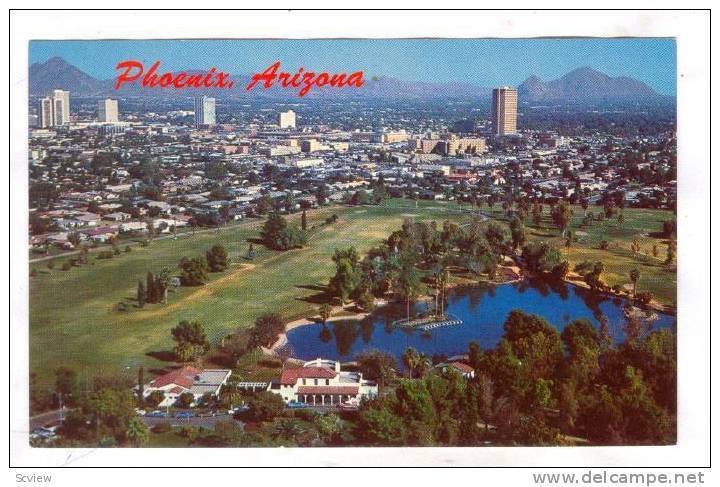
(692, 32)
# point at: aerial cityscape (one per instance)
(409, 263)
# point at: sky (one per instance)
(483, 62)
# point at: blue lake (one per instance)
(483, 311)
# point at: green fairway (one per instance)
(74, 321)
(639, 225)
(73, 317)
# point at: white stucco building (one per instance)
(187, 379)
(321, 382)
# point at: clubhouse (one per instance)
(322, 383)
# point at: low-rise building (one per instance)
(197, 382)
(321, 382)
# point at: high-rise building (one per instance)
(54, 109)
(45, 113)
(108, 110)
(287, 120)
(204, 111)
(61, 107)
(504, 110)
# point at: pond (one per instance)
(483, 311)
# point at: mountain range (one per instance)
(584, 84)
(580, 85)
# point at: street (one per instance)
(204, 422)
(48, 418)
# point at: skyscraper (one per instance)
(54, 109)
(108, 110)
(287, 120)
(504, 110)
(45, 112)
(204, 111)
(61, 107)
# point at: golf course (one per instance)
(75, 320)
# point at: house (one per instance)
(235, 213)
(321, 382)
(197, 382)
(461, 368)
(133, 227)
(118, 216)
(87, 220)
(101, 234)
(165, 225)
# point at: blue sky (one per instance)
(484, 62)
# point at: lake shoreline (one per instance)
(348, 315)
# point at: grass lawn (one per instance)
(639, 225)
(74, 321)
(73, 316)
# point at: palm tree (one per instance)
(325, 312)
(164, 279)
(408, 285)
(288, 428)
(444, 278)
(409, 359)
(634, 277)
(422, 364)
(137, 432)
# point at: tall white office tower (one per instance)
(287, 120)
(108, 110)
(54, 109)
(204, 111)
(45, 113)
(61, 107)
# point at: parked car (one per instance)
(43, 433)
(140, 412)
(239, 409)
(296, 405)
(348, 406)
(185, 414)
(156, 414)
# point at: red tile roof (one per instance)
(464, 368)
(182, 377)
(291, 376)
(348, 390)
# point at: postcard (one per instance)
(357, 242)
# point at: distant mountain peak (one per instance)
(56, 60)
(584, 70)
(57, 73)
(583, 84)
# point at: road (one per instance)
(205, 422)
(50, 418)
(47, 418)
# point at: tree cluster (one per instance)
(191, 342)
(537, 387)
(276, 234)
